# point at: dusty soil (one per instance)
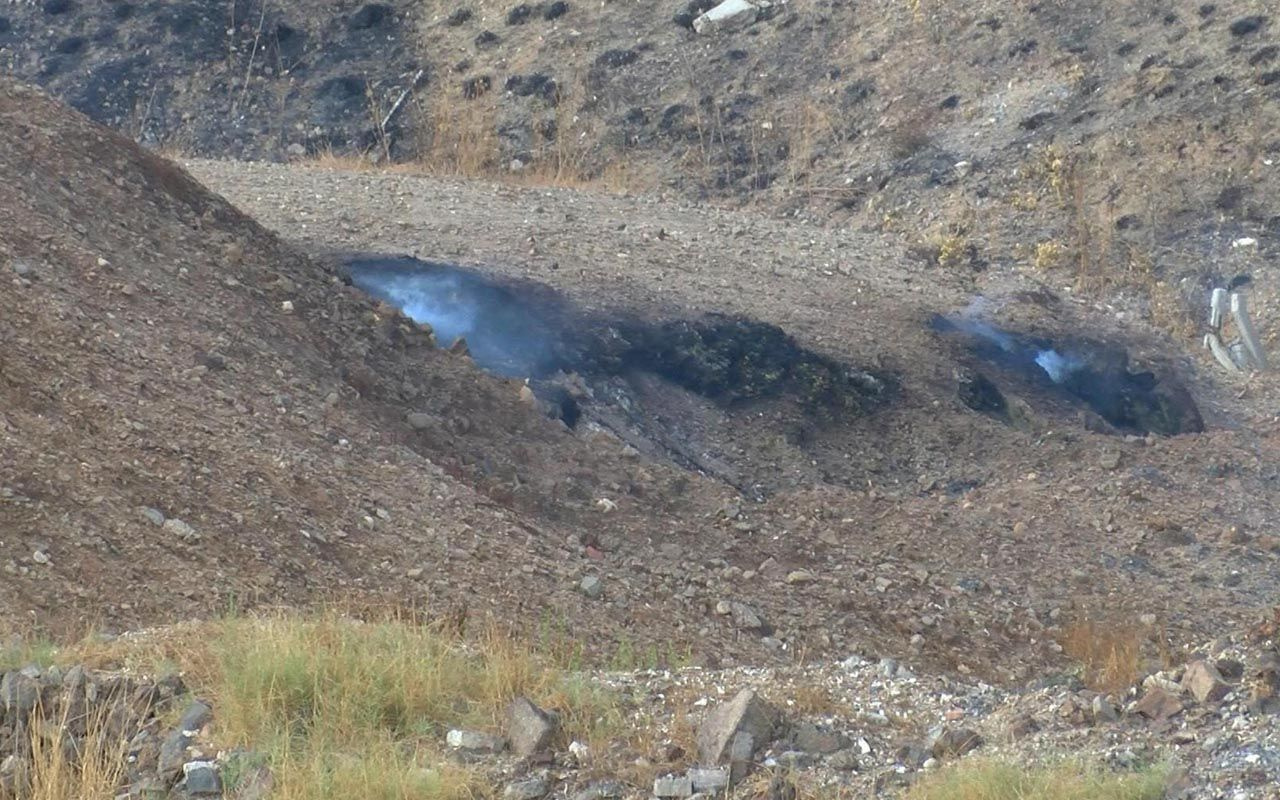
(197, 412)
(960, 514)
(152, 363)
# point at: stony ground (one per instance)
(853, 728)
(196, 413)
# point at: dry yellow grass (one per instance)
(993, 780)
(1110, 654)
(96, 771)
(812, 700)
(458, 138)
(336, 707)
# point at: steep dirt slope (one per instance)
(167, 358)
(196, 417)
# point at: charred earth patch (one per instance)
(1080, 370)
(668, 387)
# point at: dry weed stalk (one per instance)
(1110, 654)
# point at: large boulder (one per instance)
(530, 730)
(734, 731)
(1204, 682)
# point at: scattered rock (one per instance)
(746, 718)
(1103, 709)
(812, 739)
(180, 530)
(731, 15)
(844, 760)
(460, 16)
(709, 779)
(474, 741)
(672, 786)
(1158, 705)
(948, 742)
(1231, 669)
(801, 576)
(791, 760)
(420, 421)
(173, 752)
(19, 693)
(1203, 682)
(200, 779)
(1247, 25)
(601, 790)
(744, 617)
(530, 730)
(527, 789)
(14, 772)
(153, 515)
(591, 586)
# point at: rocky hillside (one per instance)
(1118, 145)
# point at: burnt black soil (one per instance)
(527, 330)
(1098, 375)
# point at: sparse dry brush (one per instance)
(337, 708)
(1115, 654)
(993, 780)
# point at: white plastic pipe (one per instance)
(1220, 353)
(1218, 304)
(1240, 311)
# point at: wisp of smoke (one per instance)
(437, 300)
(1010, 348)
(1056, 365)
(985, 331)
(502, 335)
(1096, 374)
